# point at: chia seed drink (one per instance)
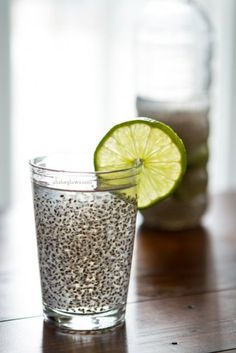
(85, 244)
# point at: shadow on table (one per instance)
(173, 263)
(110, 341)
(179, 267)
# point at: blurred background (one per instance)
(67, 74)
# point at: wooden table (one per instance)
(182, 296)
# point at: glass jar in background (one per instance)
(173, 72)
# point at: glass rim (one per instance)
(32, 162)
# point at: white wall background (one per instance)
(4, 105)
(73, 77)
(223, 118)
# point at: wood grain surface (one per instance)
(182, 295)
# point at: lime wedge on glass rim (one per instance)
(155, 146)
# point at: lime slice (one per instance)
(158, 148)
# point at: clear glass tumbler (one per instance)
(85, 226)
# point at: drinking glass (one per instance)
(85, 227)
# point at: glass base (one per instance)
(85, 322)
